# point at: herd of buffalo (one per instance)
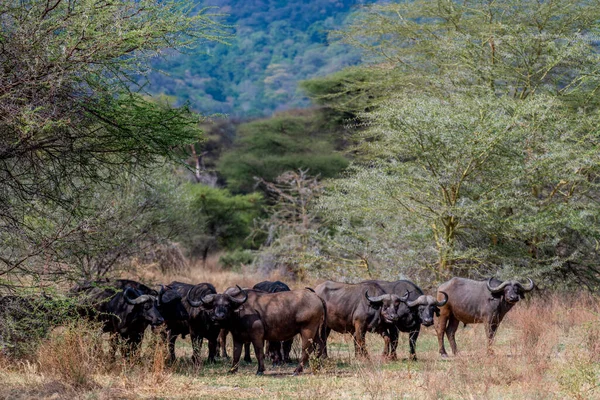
(271, 312)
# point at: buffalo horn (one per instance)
(420, 301)
(203, 300)
(236, 300)
(443, 302)
(528, 288)
(377, 299)
(405, 297)
(138, 299)
(160, 294)
(497, 289)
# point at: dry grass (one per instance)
(547, 348)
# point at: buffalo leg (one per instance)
(212, 350)
(491, 329)
(386, 343)
(287, 348)
(324, 350)
(171, 343)
(260, 355)
(237, 353)
(196, 347)
(412, 343)
(451, 332)
(275, 352)
(307, 347)
(130, 345)
(394, 333)
(359, 342)
(247, 357)
(441, 331)
(223, 342)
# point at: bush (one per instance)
(235, 259)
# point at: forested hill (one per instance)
(277, 43)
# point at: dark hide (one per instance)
(125, 308)
(182, 318)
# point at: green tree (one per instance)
(226, 219)
(485, 157)
(72, 115)
(267, 148)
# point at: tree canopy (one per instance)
(72, 116)
(477, 151)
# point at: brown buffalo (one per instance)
(358, 309)
(472, 302)
(253, 316)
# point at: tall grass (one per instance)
(547, 347)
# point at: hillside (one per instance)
(276, 44)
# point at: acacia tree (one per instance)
(71, 113)
(486, 152)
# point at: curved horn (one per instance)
(238, 300)
(160, 294)
(203, 300)
(497, 289)
(528, 288)
(376, 299)
(420, 301)
(138, 299)
(443, 302)
(405, 297)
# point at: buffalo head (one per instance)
(144, 305)
(221, 306)
(426, 307)
(512, 290)
(387, 304)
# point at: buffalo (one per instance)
(358, 308)
(254, 316)
(274, 348)
(473, 302)
(125, 308)
(419, 309)
(179, 303)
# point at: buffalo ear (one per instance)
(521, 294)
(376, 304)
(437, 311)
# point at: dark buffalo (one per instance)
(419, 309)
(474, 302)
(178, 303)
(271, 287)
(254, 316)
(125, 308)
(358, 308)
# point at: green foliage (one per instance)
(71, 117)
(485, 159)
(226, 219)
(25, 321)
(267, 148)
(234, 259)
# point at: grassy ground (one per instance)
(545, 349)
